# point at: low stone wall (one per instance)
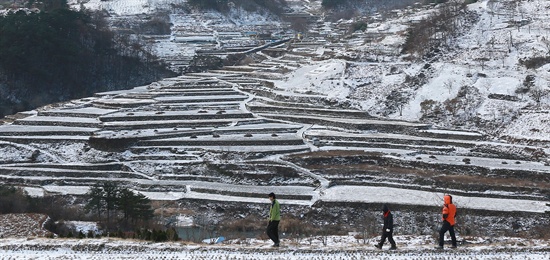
(57, 123)
(250, 194)
(451, 135)
(162, 117)
(62, 173)
(296, 110)
(384, 142)
(213, 142)
(381, 127)
(390, 145)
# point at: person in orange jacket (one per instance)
(449, 214)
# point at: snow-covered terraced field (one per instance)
(150, 127)
(310, 124)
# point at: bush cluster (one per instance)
(339, 3)
(118, 207)
(154, 235)
(446, 23)
(535, 62)
(201, 63)
(358, 26)
(129, 213)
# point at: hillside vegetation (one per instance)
(58, 54)
(336, 116)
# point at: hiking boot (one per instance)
(275, 245)
(378, 246)
(393, 248)
(439, 247)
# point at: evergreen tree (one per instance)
(96, 203)
(103, 198)
(111, 193)
(12, 200)
(113, 200)
(134, 206)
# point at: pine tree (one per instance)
(96, 202)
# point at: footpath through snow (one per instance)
(330, 247)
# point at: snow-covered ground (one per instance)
(340, 193)
(321, 248)
(362, 85)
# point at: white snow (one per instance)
(317, 247)
(365, 85)
(389, 195)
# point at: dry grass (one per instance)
(247, 224)
(23, 225)
(353, 164)
(493, 181)
(335, 153)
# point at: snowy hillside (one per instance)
(487, 58)
(336, 123)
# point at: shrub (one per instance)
(158, 236)
(158, 25)
(172, 234)
(247, 224)
(297, 228)
(234, 59)
(535, 62)
(202, 63)
(219, 5)
(358, 26)
(336, 3)
(12, 200)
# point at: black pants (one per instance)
(444, 228)
(389, 236)
(273, 231)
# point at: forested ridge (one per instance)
(58, 54)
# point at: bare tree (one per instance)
(538, 93)
(449, 85)
(481, 61)
(546, 43)
(298, 24)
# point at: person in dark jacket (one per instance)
(387, 229)
(274, 218)
(449, 214)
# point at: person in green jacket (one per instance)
(274, 218)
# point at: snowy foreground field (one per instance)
(339, 247)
